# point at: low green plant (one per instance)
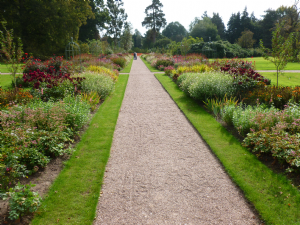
(12, 52)
(22, 201)
(92, 99)
(216, 105)
(77, 111)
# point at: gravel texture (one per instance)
(160, 170)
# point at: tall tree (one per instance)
(217, 20)
(155, 18)
(234, 28)
(282, 48)
(90, 30)
(137, 39)
(45, 27)
(175, 31)
(205, 29)
(193, 23)
(126, 38)
(118, 18)
(246, 40)
(268, 23)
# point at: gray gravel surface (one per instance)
(160, 170)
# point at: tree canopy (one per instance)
(175, 31)
(45, 27)
(118, 18)
(205, 29)
(155, 18)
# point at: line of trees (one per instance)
(46, 26)
(243, 28)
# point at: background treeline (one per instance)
(46, 27)
(240, 38)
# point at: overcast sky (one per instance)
(185, 11)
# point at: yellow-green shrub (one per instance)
(102, 70)
(195, 69)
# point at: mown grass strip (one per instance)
(263, 64)
(5, 81)
(73, 197)
(4, 68)
(276, 200)
(151, 68)
(128, 67)
(285, 79)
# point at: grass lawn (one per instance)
(128, 67)
(4, 68)
(152, 69)
(73, 197)
(286, 79)
(262, 64)
(5, 81)
(275, 199)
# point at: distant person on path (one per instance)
(135, 56)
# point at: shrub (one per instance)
(119, 61)
(164, 63)
(91, 98)
(281, 144)
(9, 98)
(272, 95)
(203, 86)
(22, 201)
(256, 118)
(102, 84)
(216, 105)
(104, 71)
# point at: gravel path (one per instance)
(160, 171)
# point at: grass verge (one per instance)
(5, 81)
(128, 67)
(151, 68)
(275, 199)
(4, 68)
(73, 197)
(263, 64)
(285, 79)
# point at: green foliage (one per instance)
(121, 61)
(30, 136)
(118, 18)
(50, 27)
(282, 49)
(203, 86)
(99, 83)
(90, 30)
(246, 39)
(175, 31)
(126, 38)
(277, 96)
(216, 105)
(22, 201)
(92, 99)
(205, 29)
(81, 179)
(164, 62)
(272, 194)
(162, 43)
(11, 51)
(155, 18)
(221, 49)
